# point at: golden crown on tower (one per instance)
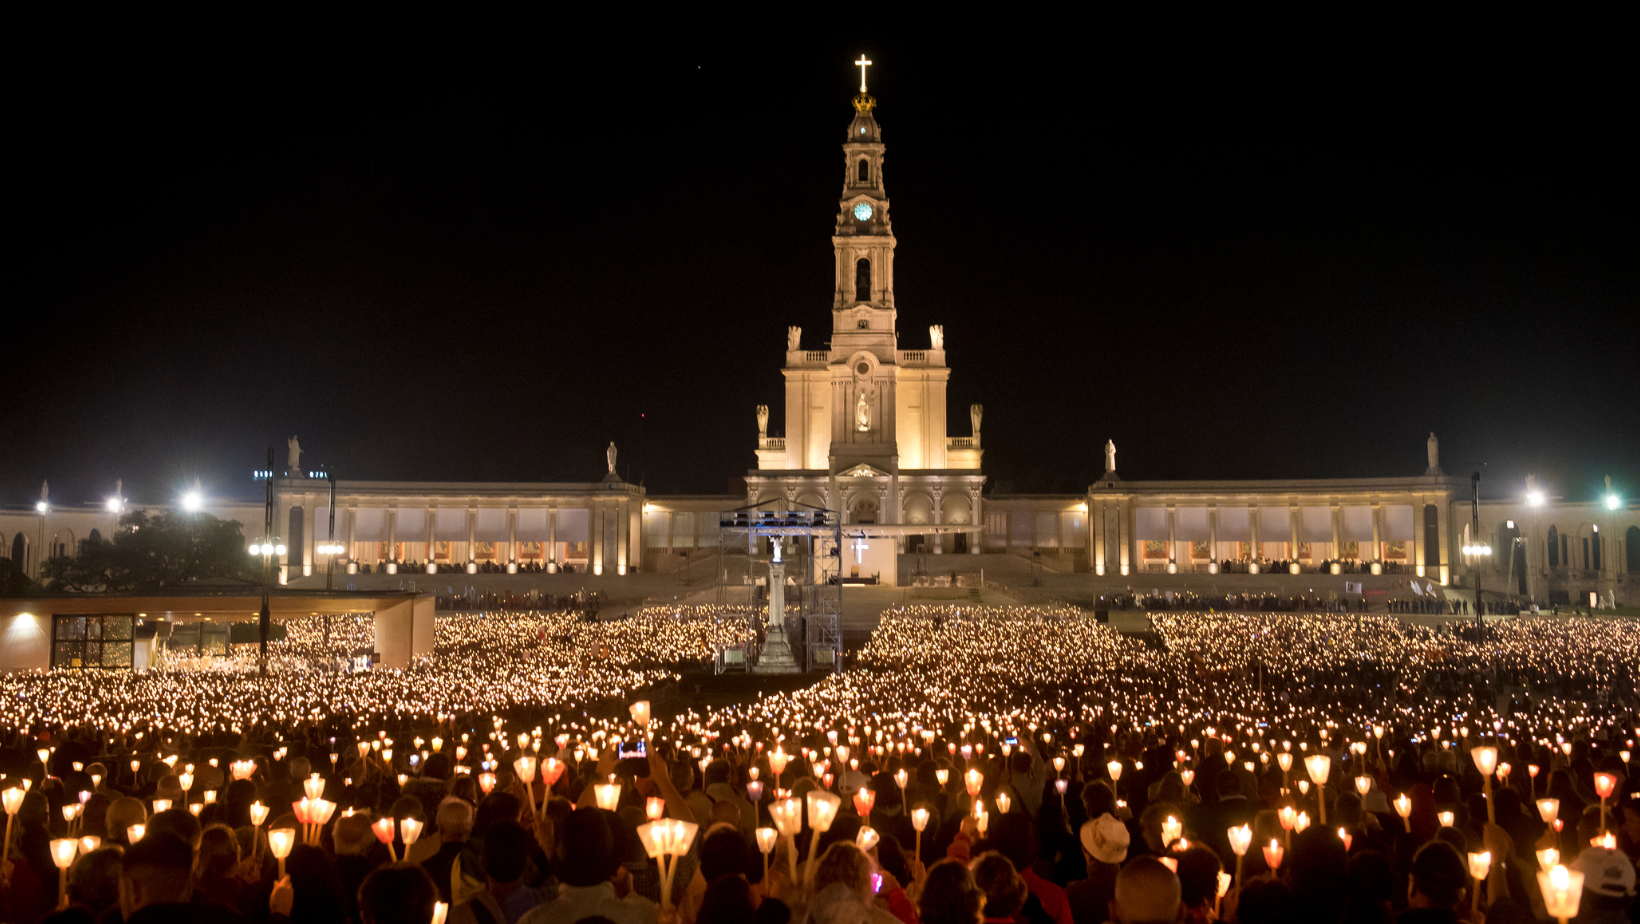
(864, 102)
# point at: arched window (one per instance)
(865, 170)
(1631, 548)
(862, 280)
(1554, 548)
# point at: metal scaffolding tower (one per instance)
(811, 541)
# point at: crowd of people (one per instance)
(1283, 566)
(456, 567)
(1010, 765)
(1189, 601)
(472, 600)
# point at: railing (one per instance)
(772, 442)
(962, 442)
(913, 356)
(816, 356)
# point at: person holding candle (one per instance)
(353, 842)
(1146, 892)
(1014, 837)
(841, 892)
(455, 825)
(1005, 891)
(588, 866)
(396, 892)
(1198, 874)
(1608, 886)
(1437, 885)
(1104, 842)
(506, 898)
(217, 865)
(949, 895)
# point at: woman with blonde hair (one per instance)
(842, 890)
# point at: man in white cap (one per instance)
(1608, 886)
(1104, 847)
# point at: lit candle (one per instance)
(1562, 892)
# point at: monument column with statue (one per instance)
(776, 654)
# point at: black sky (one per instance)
(453, 264)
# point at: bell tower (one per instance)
(863, 240)
(865, 419)
(864, 347)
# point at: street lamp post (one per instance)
(270, 548)
(1477, 550)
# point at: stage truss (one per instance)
(811, 540)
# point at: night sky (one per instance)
(476, 266)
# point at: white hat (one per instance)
(1105, 839)
(1605, 872)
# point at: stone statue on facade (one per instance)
(862, 412)
(976, 414)
(762, 421)
(1110, 456)
(1434, 446)
(794, 339)
(936, 336)
(609, 455)
(293, 459)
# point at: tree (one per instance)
(13, 582)
(153, 552)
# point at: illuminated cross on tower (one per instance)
(863, 64)
(859, 545)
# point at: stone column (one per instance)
(1417, 535)
(833, 500)
(1292, 523)
(552, 540)
(595, 535)
(472, 539)
(899, 510)
(512, 540)
(635, 538)
(622, 532)
(978, 514)
(431, 565)
(1096, 530)
(307, 536)
(939, 518)
(1336, 533)
(1172, 539)
(352, 548)
(1443, 516)
(1254, 539)
(1378, 542)
(1124, 535)
(1213, 539)
(392, 540)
